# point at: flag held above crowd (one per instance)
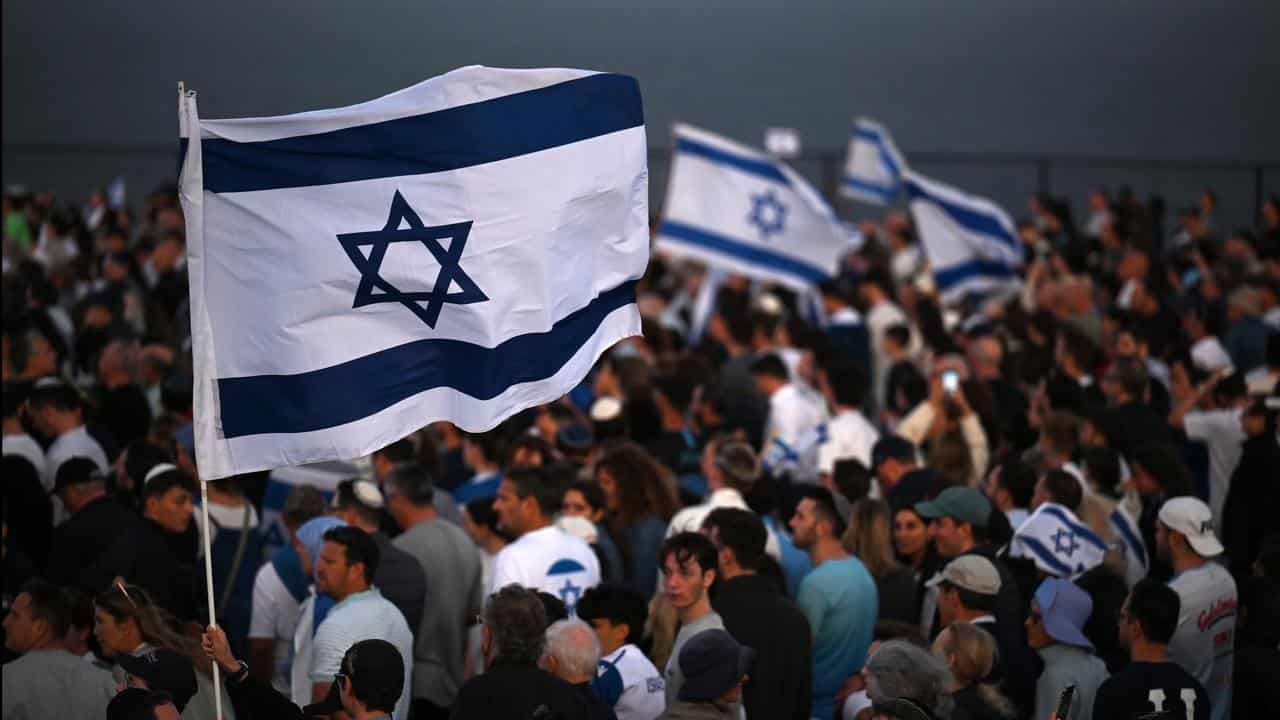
(874, 170)
(458, 250)
(971, 242)
(738, 209)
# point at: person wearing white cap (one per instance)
(400, 577)
(1055, 630)
(1204, 642)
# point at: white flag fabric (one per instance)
(873, 171)
(458, 250)
(1058, 542)
(971, 243)
(1124, 525)
(737, 209)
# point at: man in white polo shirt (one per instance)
(544, 557)
(1204, 641)
(57, 411)
(344, 571)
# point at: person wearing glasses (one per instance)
(1055, 630)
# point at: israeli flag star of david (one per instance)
(459, 250)
(739, 210)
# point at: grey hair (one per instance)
(901, 670)
(575, 646)
(411, 481)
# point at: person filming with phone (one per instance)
(947, 425)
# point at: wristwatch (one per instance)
(238, 676)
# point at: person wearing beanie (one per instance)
(1204, 642)
(1055, 630)
(714, 667)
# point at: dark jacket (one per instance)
(1253, 502)
(1020, 666)
(756, 614)
(79, 542)
(518, 692)
(597, 707)
(254, 699)
(898, 597)
(401, 579)
(713, 710)
(159, 561)
(1132, 425)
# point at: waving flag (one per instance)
(970, 242)
(740, 210)
(458, 250)
(1058, 542)
(873, 172)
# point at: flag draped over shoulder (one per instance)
(873, 171)
(458, 250)
(737, 209)
(1059, 544)
(970, 241)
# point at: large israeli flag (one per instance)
(740, 210)
(458, 250)
(873, 171)
(970, 241)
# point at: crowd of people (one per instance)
(1059, 503)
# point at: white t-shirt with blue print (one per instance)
(629, 682)
(550, 560)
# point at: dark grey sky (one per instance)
(1133, 78)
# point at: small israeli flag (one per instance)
(737, 209)
(458, 250)
(971, 243)
(1059, 544)
(873, 172)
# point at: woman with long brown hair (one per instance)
(868, 538)
(641, 497)
(127, 622)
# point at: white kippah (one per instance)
(368, 494)
(159, 469)
(606, 408)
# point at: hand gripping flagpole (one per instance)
(204, 497)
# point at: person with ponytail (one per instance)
(970, 652)
(127, 622)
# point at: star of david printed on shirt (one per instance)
(451, 272)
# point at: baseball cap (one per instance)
(373, 665)
(133, 703)
(165, 670)
(965, 504)
(1191, 517)
(971, 572)
(76, 471)
(1064, 609)
(891, 446)
(712, 663)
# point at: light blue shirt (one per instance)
(840, 601)
(362, 616)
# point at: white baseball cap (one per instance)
(1191, 517)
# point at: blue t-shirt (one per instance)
(839, 599)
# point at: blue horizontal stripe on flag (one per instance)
(1081, 530)
(886, 158)
(1121, 523)
(880, 191)
(361, 387)
(744, 252)
(1045, 556)
(754, 166)
(457, 137)
(972, 220)
(961, 272)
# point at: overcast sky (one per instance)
(1158, 79)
